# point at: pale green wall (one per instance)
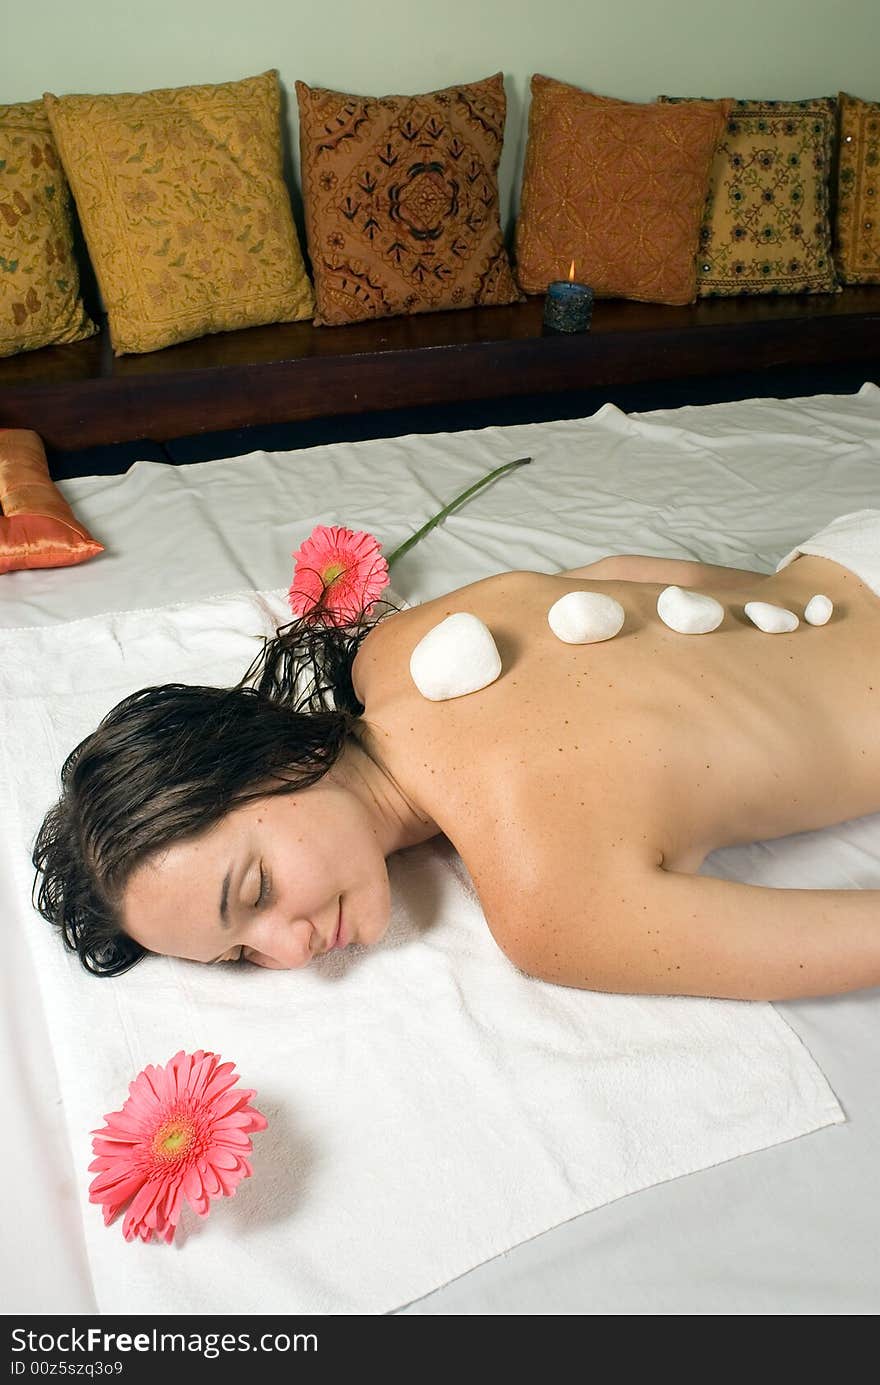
(633, 49)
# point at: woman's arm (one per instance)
(675, 572)
(658, 932)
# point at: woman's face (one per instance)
(276, 882)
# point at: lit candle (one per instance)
(568, 306)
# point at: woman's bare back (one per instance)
(586, 769)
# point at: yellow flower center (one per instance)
(173, 1138)
(331, 573)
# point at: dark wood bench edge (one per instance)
(486, 354)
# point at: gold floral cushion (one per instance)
(617, 186)
(184, 209)
(401, 200)
(857, 217)
(40, 303)
(766, 227)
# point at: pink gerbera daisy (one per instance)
(337, 574)
(182, 1131)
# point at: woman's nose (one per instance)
(285, 944)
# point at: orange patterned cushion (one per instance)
(37, 526)
(401, 200)
(857, 222)
(619, 188)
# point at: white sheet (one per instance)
(430, 1107)
(792, 1229)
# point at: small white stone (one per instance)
(457, 657)
(687, 612)
(818, 610)
(773, 620)
(585, 617)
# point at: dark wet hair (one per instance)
(168, 762)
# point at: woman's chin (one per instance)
(372, 936)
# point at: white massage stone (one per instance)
(690, 613)
(457, 657)
(773, 620)
(818, 610)
(585, 617)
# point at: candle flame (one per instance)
(571, 273)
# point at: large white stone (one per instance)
(457, 657)
(773, 620)
(818, 610)
(585, 617)
(687, 612)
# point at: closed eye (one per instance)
(265, 887)
(236, 954)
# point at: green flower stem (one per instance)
(426, 528)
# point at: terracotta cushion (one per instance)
(619, 187)
(401, 200)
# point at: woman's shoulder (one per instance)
(477, 597)
(400, 631)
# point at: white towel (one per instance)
(429, 1106)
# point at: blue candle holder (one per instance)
(568, 306)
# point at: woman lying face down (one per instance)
(281, 878)
(217, 824)
(583, 789)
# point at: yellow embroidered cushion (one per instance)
(617, 186)
(184, 209)
(40, 303)
(857, 219)
(37, 526)
(401, 200)
(766, 227)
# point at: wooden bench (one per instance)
(82, 396)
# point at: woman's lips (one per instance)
(339, 939)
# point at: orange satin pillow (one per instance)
(37, 526)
